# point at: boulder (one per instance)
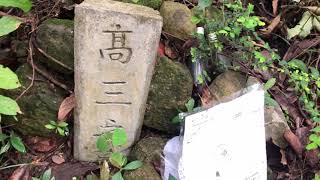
(170, 89)
(226, 85)
(177, 19)
(55, 38)
(39, 105)
(148, 149)
(146, 172)
(155, 4)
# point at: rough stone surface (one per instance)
(148, 149)
(171, 88)
(115, 51)
(177, 19)
(39, 105)
(55, 38)
(226, 85)
(146, 172)
(155, 4)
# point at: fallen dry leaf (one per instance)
(66, 107)
(57, 159)
(274, 7)
(21, 173)
(294, 142)
(274, 23)
(170, 53)
(68, 170)
(44, 145)
(298, 48)
(314, 9)
(284, 160)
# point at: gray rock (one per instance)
(226, 86)
(171, 88)
(146, 172)
(148, 149)
(55, 38)
(177, 19)
(39, 105)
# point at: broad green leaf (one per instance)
(3, 137)
(117, 159)
(176, 119)
(17, 143)
(117, 176)
(195, 20)
(8, 24)
(35, 178)
(190, 105)
(46, 175)
(311, 146)
(62, 124)
(5, 148)
(269, 84)
(313, 137)
(8, 106)
(50, 126)
(296, 63)
(119, 137)
(8, 79)
(269, 101)
(102, 143)
(202, 4)
(316, 129)
(90, 177)
(133, 165)
(104, 171)
(25, 5)
(60, 131)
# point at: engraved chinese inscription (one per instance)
(118, 51)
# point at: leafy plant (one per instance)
(11, 141)
(8, 23)
(190, 105)
(46, 176)
(60, 127)
(106, 143)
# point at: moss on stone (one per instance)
(146, 172)
(55, 38)
(155, 4)
(39, 105)
(170, 89)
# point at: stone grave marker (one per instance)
(115, 51)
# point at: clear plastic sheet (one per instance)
(223, 142)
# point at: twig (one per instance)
(33, 69)
(15, 165)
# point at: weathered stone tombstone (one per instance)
(115, 49)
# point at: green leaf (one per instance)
(35, 178)
(311, 146)
(171, 177)
(8, 79)
(8, 106)
(25, 5)
(202, 4)
(195, 20)
(269, 101)
(269, 84)
(119, 137)
(190, 105)
(102, 143)
(176, 119)
(46, 175)
(313, 137)
(133, 165)
(5, 148)
(60, 131)
(17, 143)
(62, 124)
(117, 159)
(89, 177)
(316, 129)
(50, 126)
(117, 176)
(296, 63)
(314, 72)
(8, 24)
(3, 137)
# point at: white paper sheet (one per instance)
(226, 142)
